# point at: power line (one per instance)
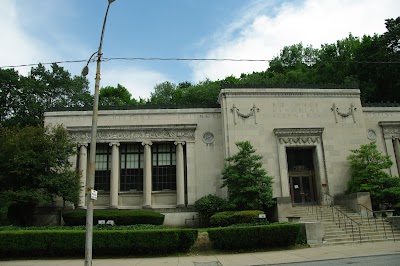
(106, 59)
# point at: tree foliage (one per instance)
(207, 206)
(115, 96)
(249, 186)
(368, 175)
(35, 169)
(25, 99)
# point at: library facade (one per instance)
(166, 159)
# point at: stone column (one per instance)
(147, 180)
(180, 175)
(114, 178)
(83, 171)
(396, 146)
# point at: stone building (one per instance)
(166, 159)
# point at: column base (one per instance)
(147, 207)
(113, 207)
(180, 206)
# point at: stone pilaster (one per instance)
(180, 175)
(114, 180)
(147, 175)
(396, 146)
(83, 171)
(390, 152)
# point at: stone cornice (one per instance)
(284, 132)
(290, 93)
(299, 136)
(391, 129)
(135, 133)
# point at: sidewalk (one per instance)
(254, 259)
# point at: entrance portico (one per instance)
(307, 181)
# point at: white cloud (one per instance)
(31, 38)
(17, 47)
(27, 37)
(139, 82)
(260, 34)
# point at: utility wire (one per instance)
(106, 59)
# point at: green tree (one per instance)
(163, 94)
(35, 169)
(10, 88)
(27, 98)
(249, 186)
(204, 93)
(115, 96)
(368, 175)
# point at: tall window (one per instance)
(164, 167)
(103, 167)
(132, 163)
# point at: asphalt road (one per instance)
(386, 260)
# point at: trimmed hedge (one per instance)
(234, 217)
(120, 217)
(50, 243)
(253, 237)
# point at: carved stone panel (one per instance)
(300, 136)
(135, 133)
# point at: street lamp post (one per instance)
(92, 157)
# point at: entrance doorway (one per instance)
(301, 175)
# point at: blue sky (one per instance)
(57, 30)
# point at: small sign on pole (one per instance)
(93, 194)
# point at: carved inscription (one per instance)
(194, 116)
(383, 114)
(140, 134)
(295, 110)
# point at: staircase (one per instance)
(343, 226)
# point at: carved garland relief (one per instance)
(299, 140)
(336, 112)
(252, 112)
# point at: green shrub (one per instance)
(207, 206)
(49, 243)
(82, 227)
(253, 237)
(221, 218)
(231, 217)
(120, 217)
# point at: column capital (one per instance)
(85, 144)
(114, 143)
(144, 143)
(179, 142)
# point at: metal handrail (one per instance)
(312, 206)
(369, 211)
(341, 214)
(375, 218)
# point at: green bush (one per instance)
(207, 206)
(253, 237)
(82, 227)
(221, 218)
(120, 217)
(232, 217)
(50, 243)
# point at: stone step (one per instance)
(370, 232)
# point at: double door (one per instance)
(302, 188)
